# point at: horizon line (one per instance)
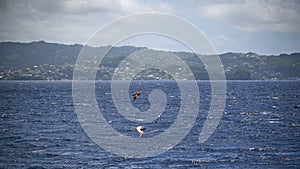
(165, 50)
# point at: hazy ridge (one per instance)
(51, 61)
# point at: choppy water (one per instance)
(260, 127)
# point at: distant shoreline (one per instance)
(51, 61)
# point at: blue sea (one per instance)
(259, 128)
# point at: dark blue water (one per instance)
(260, 127)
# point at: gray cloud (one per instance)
(229, 24)
(256, 15)
(64, 21)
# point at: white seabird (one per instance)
(140, 129)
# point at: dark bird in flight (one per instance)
(136, 94)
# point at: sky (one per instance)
(259, 26)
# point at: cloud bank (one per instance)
(256, 15)
(232, 25)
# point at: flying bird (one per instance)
(140, 129)
(136, 94)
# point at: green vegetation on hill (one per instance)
(50, 61)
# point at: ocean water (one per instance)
(260, 127)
